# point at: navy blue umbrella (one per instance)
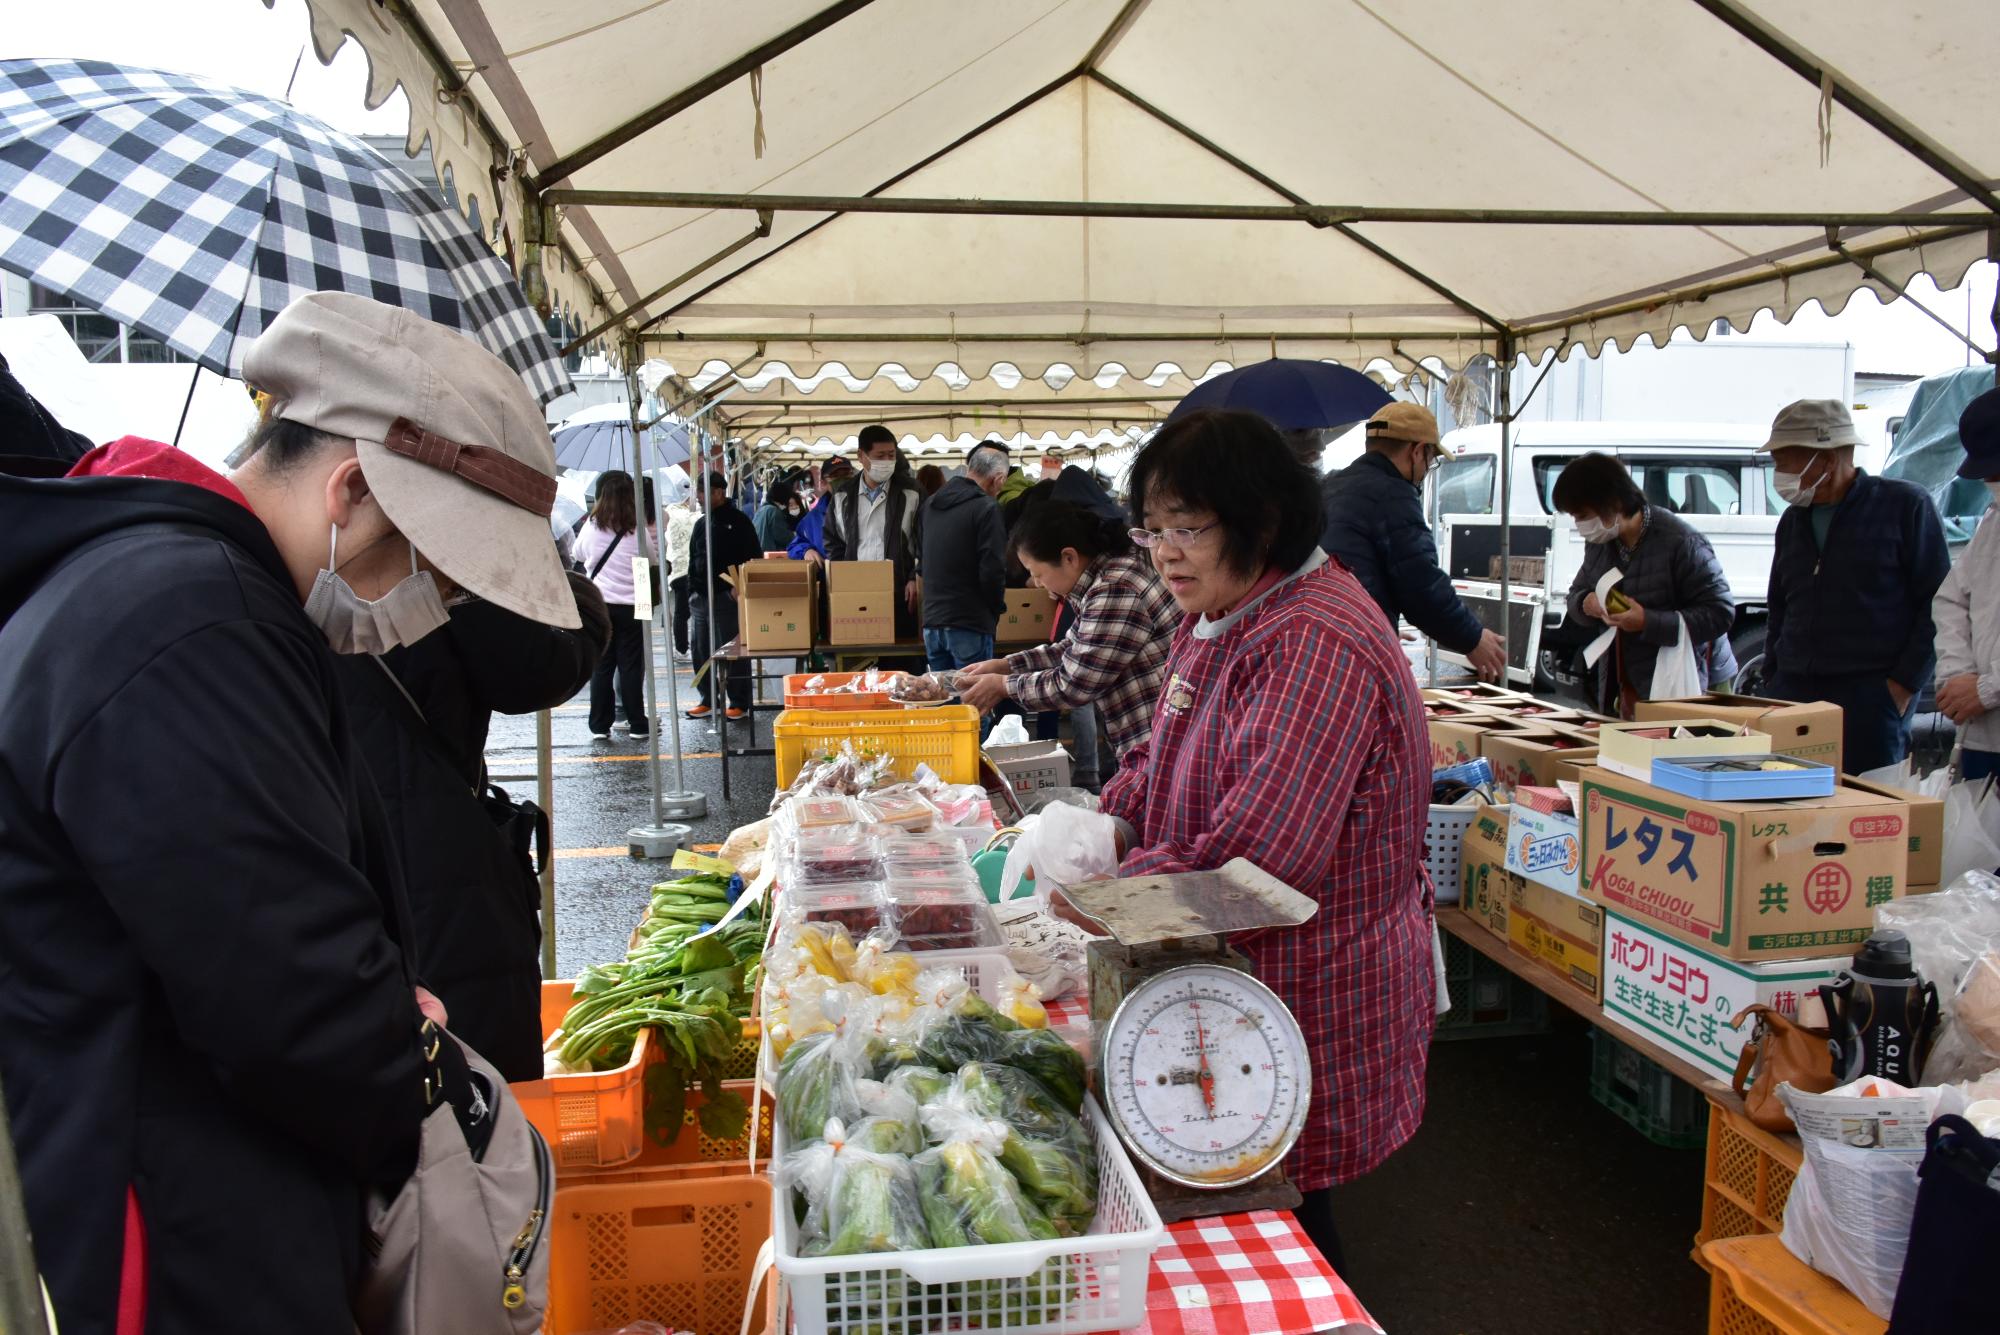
(1289, 393)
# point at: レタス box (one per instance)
(1683, 997)
(1746, 881)
(1809, 731)
(1926, 832)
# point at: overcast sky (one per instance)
(242, 43)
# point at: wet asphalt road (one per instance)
(1520, 1208)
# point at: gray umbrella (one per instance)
(600, 437)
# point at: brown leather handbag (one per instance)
(1780, 1051)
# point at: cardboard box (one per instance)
(1683, 997)
(1456, 731)
(1926, 832)
(1559, 931)
(1545, 847)
(1029, 616)
(1474, 693)
(1630, 750)
(861, 602)
(1744, 880)
(1031, 766)
(1484, 882)
(1539, 756)
(1520, 569)
(776, 600)
(1808, 731)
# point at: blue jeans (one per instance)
(948, 648)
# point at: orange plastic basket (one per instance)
(1747, 1179)
(1757, 1287)
(680, 1251)
(798, 697)
(590, 1121)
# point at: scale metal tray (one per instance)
(1147, 910)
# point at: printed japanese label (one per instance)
(1662, 862)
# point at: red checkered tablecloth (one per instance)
(1068, 1010)
(1247, 1274)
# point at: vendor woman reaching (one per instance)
(1289, 732)
(1116, 647)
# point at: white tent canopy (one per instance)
(1082, 182)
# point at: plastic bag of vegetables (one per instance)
(890, 1122)
(1048, 1057)
(968, 1196)
(816, 1084)
(1046, 1148)
(857, 1200)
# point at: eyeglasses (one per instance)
(1178, 538)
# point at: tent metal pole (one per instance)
(659, 839)
(1877, 116)
(1318, 215)
(1202, 337)
(1504, 398)
(1217, 151)
(1869, 271)
(1993, 256)
(659, 114)
(997, 400)
(682, 803)
(545, 798)
(763, 229)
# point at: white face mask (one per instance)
(1594, 530)
(354, 625)
(1791, 489)
(881, 470)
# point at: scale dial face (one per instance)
(1205, 1075)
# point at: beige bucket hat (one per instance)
(1405, 421)
(448, 436)
(1817, 424)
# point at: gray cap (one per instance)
(1816, 424)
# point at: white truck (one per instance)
(1710, 474)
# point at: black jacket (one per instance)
(965, 548)
(475, 902)
(1375, 527)
(1672, 570)
(201, 995)
(32, 442)
(735, 542)
(902, 535)
(1863, 607)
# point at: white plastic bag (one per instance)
(1009, 731)
(1971, 829)
(1064, 845)
(1677, 669)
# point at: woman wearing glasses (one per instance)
(1289, 732)
(1116, 648)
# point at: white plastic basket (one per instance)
(1088, 1283)
(1444, 842)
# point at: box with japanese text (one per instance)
(1684, 997)
(1808, 731)
(1484, 881)
(1545, 847)
(1631, 748)
(1455, 732)
(861, 601)
(1744, 880)
(775, 602)
(1559, 931)
(1926, 832)
(1534, 754)
(1029, 615)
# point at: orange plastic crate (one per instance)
(1757, 1287)
(798, 697)
(1747, 1180)
(590, 1121)
(680, 1251)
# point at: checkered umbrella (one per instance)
(196, 212)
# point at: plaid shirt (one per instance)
(1296, 739)
(1112, 657)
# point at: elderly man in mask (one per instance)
(1857, 561)
(210, 1025)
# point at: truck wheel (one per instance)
(1748, 644)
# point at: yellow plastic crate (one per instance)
(945, 737)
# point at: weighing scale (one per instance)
(1202, 1071)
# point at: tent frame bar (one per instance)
(1222, 154)
(1876, 275)
(839, 405)
(1877, 116)
(1318, 215)
(762, 230)
(1080, 338)
(662, 112)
